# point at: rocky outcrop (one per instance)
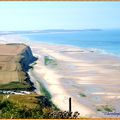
(26, 58)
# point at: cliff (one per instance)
(14, 62)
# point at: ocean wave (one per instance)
(103, 51)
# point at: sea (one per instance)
(104, 41)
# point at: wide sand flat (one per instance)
(77, 73)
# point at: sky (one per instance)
(59, 15)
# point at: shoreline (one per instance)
(22, 39)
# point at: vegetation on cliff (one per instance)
(30, 106)
(16, 86)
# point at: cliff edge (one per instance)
(14, 62)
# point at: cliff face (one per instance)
(14, 62)
(26, 58)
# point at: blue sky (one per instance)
(59, 15)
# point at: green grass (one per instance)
(44, 91)
(49, 61)
(23, 106)
(98, 109)
(105, 108)
(30, 106)
(30, 101)
(15, 86)
(82, 95)
(108, 109)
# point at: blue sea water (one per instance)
(107, 41)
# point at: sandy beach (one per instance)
(91, 79)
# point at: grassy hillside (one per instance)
(24, 106)
(15, 86)
(30, 101)
(30, 106)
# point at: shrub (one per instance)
(64, 115)
(14, 110)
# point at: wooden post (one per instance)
(70, 107)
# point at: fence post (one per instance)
(70, 107)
